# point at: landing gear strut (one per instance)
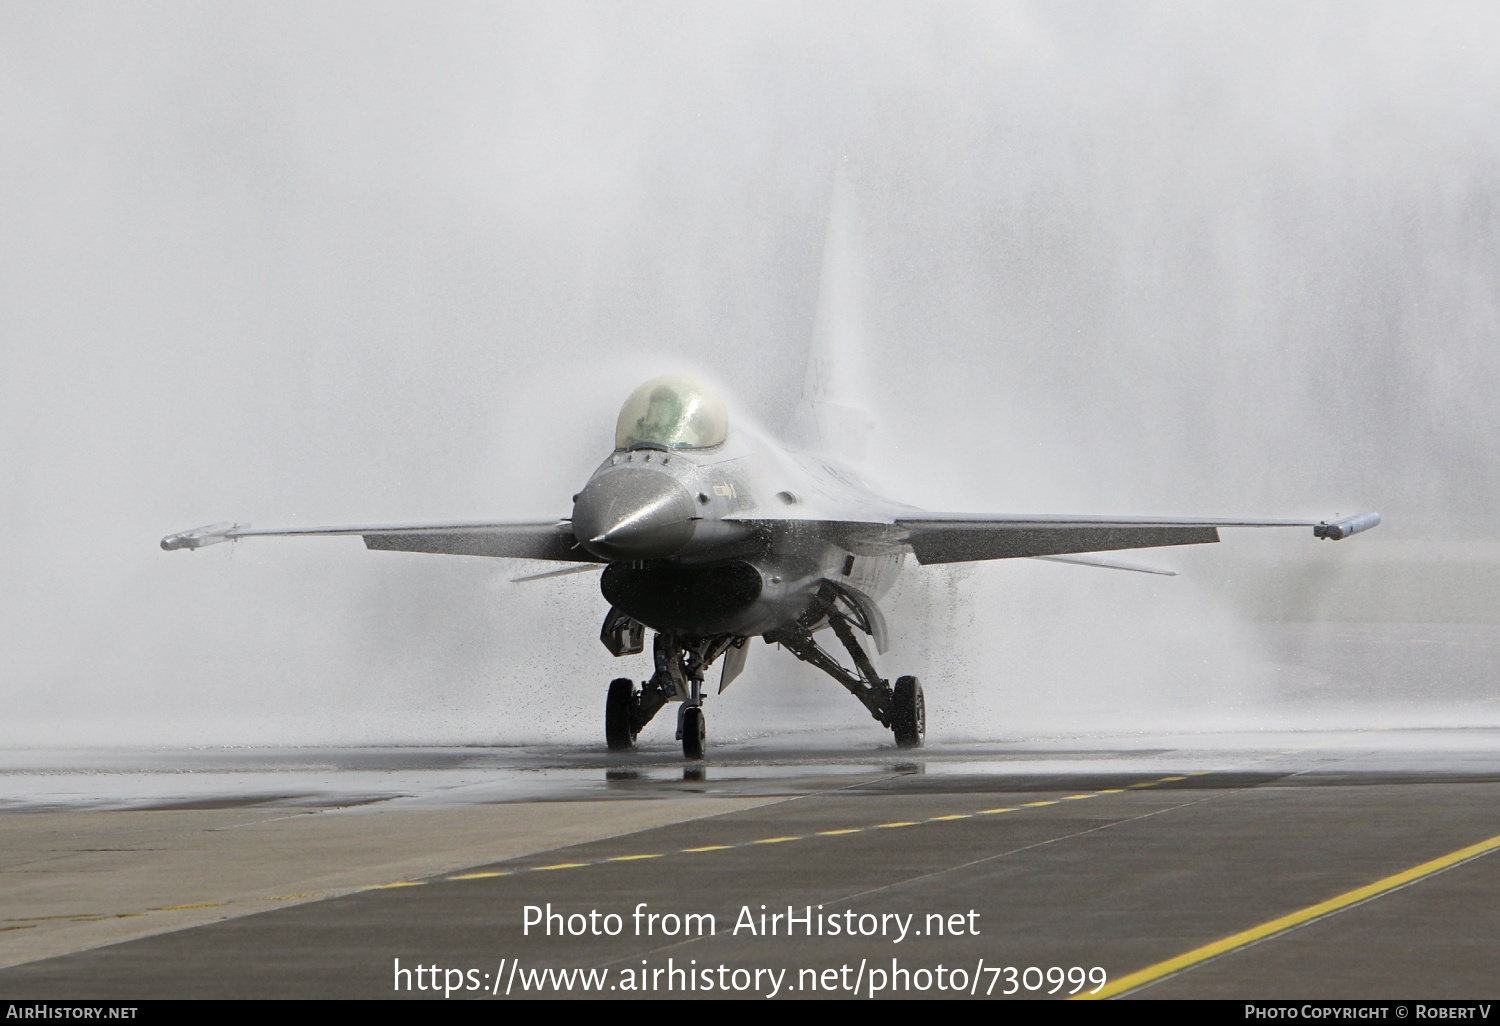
(681, 663)
(901, 709)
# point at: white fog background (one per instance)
(302, 264)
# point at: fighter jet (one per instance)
(710, 534)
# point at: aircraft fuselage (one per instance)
(728, 540)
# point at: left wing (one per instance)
(537, 539)
(960, 537)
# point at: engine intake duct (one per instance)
(670, 596)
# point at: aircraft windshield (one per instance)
(672, 412)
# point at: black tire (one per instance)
(692, 732)
(619, 726)
(909, 713)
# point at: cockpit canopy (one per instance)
(672, 412)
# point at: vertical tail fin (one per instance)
(831, 416)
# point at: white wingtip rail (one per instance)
(198, 537)
(1334, 530)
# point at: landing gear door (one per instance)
(622, 635)
(734, 662)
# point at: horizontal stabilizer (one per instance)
(1108, 564)
(564, 572)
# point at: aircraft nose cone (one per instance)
(633, 513)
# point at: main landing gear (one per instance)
(680, 667)
(901, 708)
(682, 661)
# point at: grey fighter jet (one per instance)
(710, 535)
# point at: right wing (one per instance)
(960, 537)
(536, 539)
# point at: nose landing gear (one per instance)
(680, 667)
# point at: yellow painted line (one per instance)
(26, 926)
(201, 904)
(295, 897)
(726, 847)
(77, 917)
(1168, 780)
(1200, 773)
(1306, 915)
(44, 919)
(398, 883)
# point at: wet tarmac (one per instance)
(309, 872)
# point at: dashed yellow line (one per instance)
(180, 908)
(30, 923)
(838, 832)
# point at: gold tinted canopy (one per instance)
(672, 412)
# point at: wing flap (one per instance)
(959, 541)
